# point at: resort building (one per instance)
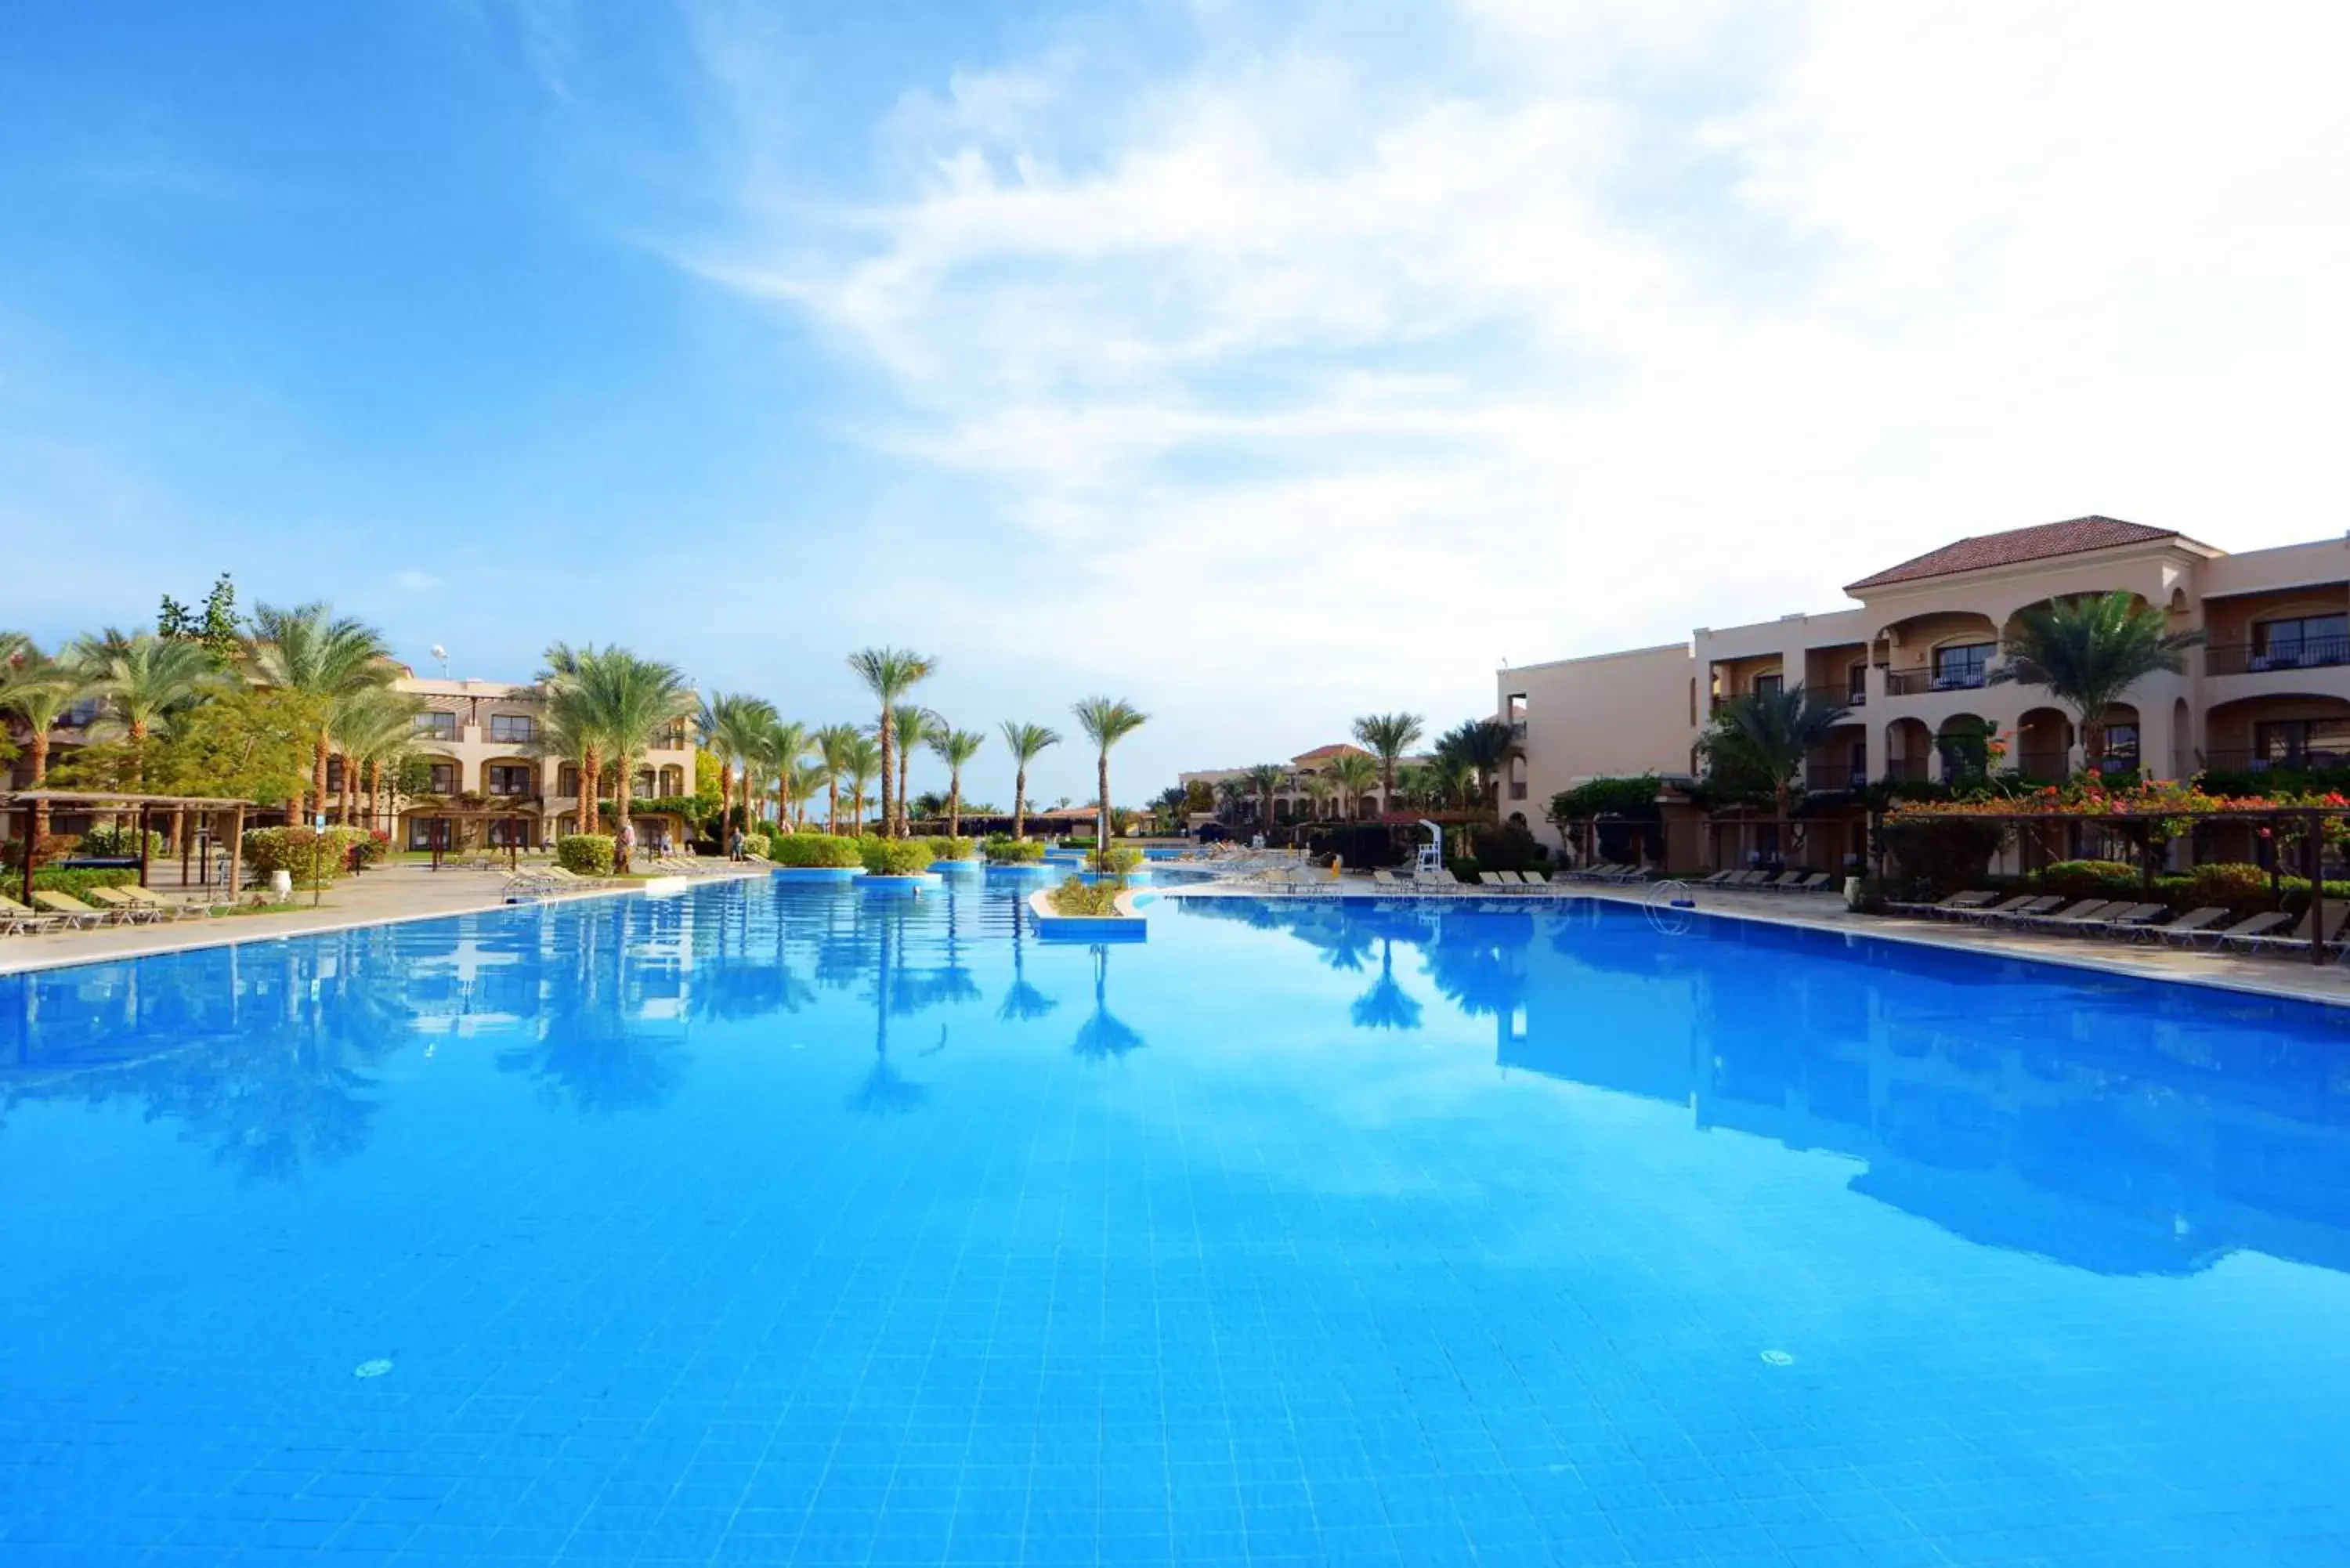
(1294, 799)
(1910, 660)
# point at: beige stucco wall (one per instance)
(1614, 713)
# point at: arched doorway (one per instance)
(2043, 745)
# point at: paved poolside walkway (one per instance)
(2274, 974)
(388, 893)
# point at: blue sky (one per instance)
(1266, 365)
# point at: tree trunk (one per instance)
(591, 782)
(954, 805)
(40, 742)
(726, 795)
(318, 777)
(888, 757)
(1101, 828)
(375, 791)
(350, 792)
(621, 787)
(832, 807)
(905, 814)
(1020, 803)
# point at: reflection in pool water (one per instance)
(780, 1223)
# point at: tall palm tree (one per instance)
(834, 745)
(1027, 743)
(802, 783)
(1230, 794)
(140, 680)
(1389, 735)
(733, 727)
(1484, 746)
(859, 763)
(956, 747)
(568, 732)
(1106, 720)
(1318, 788)
(627, 701)
(370, 728)
(2087, 652)
(1266, 778)
(36, 691)
(889, 673)
(914, 724)
(1769, 734)
(308, 651)
(1353, 774)
(782, 747)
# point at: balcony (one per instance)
(1917, 682)
(2308, 653)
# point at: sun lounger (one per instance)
(2072, 914)
(1495, 879)
(1989, 912)
(2130, 919)
(1817, 882)
(17, 920)
(1956, 903)
(2192, 927)
(178, 908)
(2041, 904)
(1785, 882)
(2302, 934)
(131, 910)
(1440, 880)
(74, 912)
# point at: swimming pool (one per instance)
(788, 1223)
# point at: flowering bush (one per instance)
(310, 856)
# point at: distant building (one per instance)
(1292, 801)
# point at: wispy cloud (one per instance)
(1375, 353)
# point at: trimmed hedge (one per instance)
(1078, 898)
(945, 848)
(756, 844)
(75, 883)
(895, 857)
(584, 853)
(310, 856)
(814, 849)
(1008, 851)
(1114, 861)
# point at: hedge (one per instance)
(1114, 861)
(310, 856)
(755, 843)
(945, 848)
(77, 883)
(814, 849)
(895, 857)
(1008, 851)
(1074, 897)
(584, 853)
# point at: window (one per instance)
(1855, 686)
(444, 778)
(439, 724)
(1517, 711)
(2121, 749)
(333, 775)
(2301, 643)
(567, 780)
(671, 737)
(1961, 666)
(518, 728)
(2301, 743)
(422, 830)
(509, 778)
(80, 716)
(507, 831)
(1769, 685)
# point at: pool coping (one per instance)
(2272, 981)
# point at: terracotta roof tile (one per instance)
(1318, 752)
(2071, 538)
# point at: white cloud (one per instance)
(1361, 360)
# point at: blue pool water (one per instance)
(796, 1224)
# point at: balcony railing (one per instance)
(1916, 682)
(2314, 760)
(2309, 653)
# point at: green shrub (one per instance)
(1116, 861)
(1005, 850)
(74, 884)
(1947, 855)
(896, 856)
(2091, 879)
(2229, 884)
(312, 856)
(113, 842)
(809, 850)
(945, 848)
(47, 848)
(755, 843)
(584, 853)
(1078, 898)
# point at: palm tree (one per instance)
(625, 702)
(956, 747)
(802, 782)
(372, 727)
(1390, 735)
(568, 732)
(860, 762)
(889, 673)
(1318, 789)
(914, 724)
(307, 651)
(1484, 746)
(834, 745)
(37, 691)
(1353, 774)
(1769, 734)
(140, 680)
(732, 727)
(1451, 781)
(2087, 652)
(1026, 744)
(1105, 721)
(782, 747)
(1230, 794)
(1267, 777)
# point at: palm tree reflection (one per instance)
(885, 1091)
(1387, 1005)
(1023, 1001)
(1102, 1037)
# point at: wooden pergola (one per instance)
(2309, 820)
(32, 800)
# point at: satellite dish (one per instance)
(439, 651)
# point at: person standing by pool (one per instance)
(625, 845)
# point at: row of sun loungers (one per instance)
(51, 912)
(1770, 881)
(2207, 927)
